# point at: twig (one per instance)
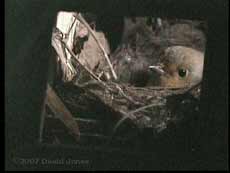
(84, 67)
(71, 27)
(58, 46)
(82, 20)
(125, 96)
(155, 88)
(131, 116)
(145, 107)
(125, 117)
(87, 84)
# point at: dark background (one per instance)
(28, 26)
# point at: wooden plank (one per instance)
(42, 120)
(61, 112)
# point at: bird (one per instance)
(179, 66)
(139, 61)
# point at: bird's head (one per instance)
(180, 67)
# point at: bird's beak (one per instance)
(157, 68)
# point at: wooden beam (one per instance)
(61, 112)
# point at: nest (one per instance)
(145, 107)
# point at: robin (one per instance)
(180, 67)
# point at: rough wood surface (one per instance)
(60, 111)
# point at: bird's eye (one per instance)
(182, 72)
